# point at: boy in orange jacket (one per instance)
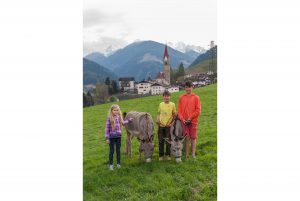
(189, 110)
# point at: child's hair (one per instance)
(166, 93)
(112, 119)
(189, 83)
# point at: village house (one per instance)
(126, 83)
(157, 89)
(143, 87)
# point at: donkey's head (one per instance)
(177, 139)
(147, 146)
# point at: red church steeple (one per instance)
(166, 52)
(166, 64)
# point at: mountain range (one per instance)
(182, 47)
(144, 58)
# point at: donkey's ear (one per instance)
(167, 140)
(183, 138)
(124, 114)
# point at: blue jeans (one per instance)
(112, 143)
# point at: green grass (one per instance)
(194, 179)
(202, 67)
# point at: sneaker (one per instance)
(168, 158)
(118, 166)
(111, 167)
(193, 156)
(161, 158)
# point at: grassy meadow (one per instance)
(193, 179)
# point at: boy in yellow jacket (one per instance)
(166, 113)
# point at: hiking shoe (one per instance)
(118, 166)
(161, 158)
(111, 167)
(168, 158)
(193, 156)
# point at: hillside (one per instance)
(205, 56)
(202, 67)
(194, 179)
(94, 73)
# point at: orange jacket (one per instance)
(189, 106)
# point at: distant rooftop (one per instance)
(126, 79)
(160, 75)
(144, 82)
(156, 84)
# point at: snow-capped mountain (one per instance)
(184, 48)
(110, 50)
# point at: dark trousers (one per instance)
(163, 132)
(112, 143)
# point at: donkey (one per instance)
(176, 133)
(141, 126)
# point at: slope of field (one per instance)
(202, 67)
(193, 179)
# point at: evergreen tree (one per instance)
(90, 100)
(114, 86)
(110, 90)
(149, 77)
(107, 81)
(181, 70)
(84, 100)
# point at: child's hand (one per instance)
(107, 141)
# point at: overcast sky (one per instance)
(120, 22)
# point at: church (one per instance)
(153, 87)
(164, 78)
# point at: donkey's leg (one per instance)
(128, 143)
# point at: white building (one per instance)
(173, 89)
(195, 83)
(187, 76)
(157, 89)
(143, 87)
(126, 83)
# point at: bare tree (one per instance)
(101, 94)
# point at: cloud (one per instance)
(104, 30)
(149, 57)
(103, 44)
(93, 17)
